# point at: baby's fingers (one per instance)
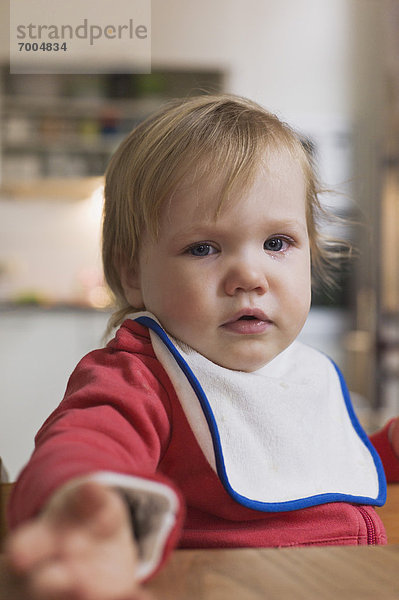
(28, 546)
(60, 581)
(53, 581)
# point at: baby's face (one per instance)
(235, 288)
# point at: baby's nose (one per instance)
(245, 277)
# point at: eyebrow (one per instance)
(185, 234)
(211, 228)
(281, 224)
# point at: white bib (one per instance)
(280, 438)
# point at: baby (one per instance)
(204, 422)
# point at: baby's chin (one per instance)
(247, 363)
(244, 355)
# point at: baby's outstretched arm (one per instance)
(81, 547)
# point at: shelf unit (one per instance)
(68, 126)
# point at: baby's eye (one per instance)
(275, 244)
(201, 250)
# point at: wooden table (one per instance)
(336, 573)
(327, 573)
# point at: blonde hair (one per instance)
(213, 135)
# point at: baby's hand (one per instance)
(80, 548)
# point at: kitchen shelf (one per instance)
(68, 126)
(53, 189)
(77, 107)
(74, 144)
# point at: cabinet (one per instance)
(39, 348)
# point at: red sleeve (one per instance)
(114, 417)
(390, 461)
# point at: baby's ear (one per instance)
(130, 280)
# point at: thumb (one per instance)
(88, 502)
(86, 499)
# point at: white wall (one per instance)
(292, 56)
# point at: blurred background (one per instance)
(328, 67)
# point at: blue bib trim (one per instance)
(217, 447)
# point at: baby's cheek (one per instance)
(187, 317)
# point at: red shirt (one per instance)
(120, 413)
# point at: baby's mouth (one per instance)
(249, 314)
(250, 321)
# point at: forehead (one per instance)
(278, 184)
